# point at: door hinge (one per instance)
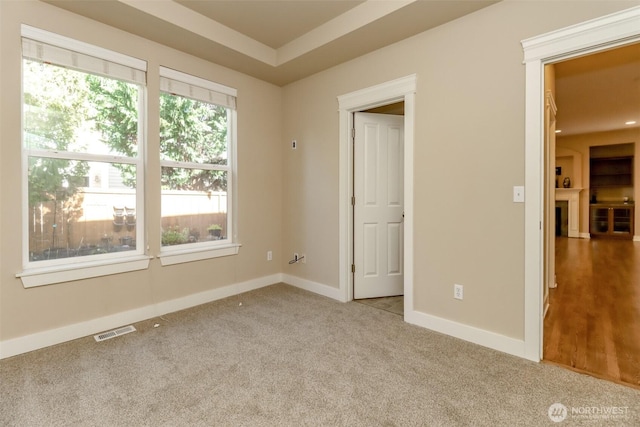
(353, 268)
(353, 200)
(353, 133)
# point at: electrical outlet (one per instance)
(295, 256)
(269, 255)
(294, 144)
(457, 291)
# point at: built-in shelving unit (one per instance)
(611, 172)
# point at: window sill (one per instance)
(197, 254)
(77, 271)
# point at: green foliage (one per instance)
(54, 108)
(55, 104)
(174, 236)
(116, 117)
(195, 132)
(190, 131)
(66, 110)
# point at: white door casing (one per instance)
(378, 206)
(401, 89)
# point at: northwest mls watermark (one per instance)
(558, 413)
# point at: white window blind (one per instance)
(55, 49)
(178, 83)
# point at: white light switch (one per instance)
(518, 194)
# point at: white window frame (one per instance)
(64, 51)
(182, 84)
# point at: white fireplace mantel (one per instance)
(571, 195)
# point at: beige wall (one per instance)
(26, 311)
(469, 153)
(581, 144)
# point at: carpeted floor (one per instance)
(280, 356)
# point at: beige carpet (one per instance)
(286, 357)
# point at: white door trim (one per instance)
(402, 89)
(598, 34)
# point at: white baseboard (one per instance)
(546, 309)
(24, 344)
(315, 287)
(636, 238)
(545, 303)
(468, 333)
(458, 330)
(15, 346)
(216, 294)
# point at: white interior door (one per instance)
(378, 205)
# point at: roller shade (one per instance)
(178, 83)
(40, 45)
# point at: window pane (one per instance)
(79, 208)
(192, 131)
(196, 212)
(69, 110)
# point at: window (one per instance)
(82, 153)
(197, 146)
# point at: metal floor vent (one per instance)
(115, 333)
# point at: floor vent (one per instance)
(115, 333)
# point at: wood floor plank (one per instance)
(593, 322)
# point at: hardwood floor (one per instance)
(593, 322)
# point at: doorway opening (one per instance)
(592, 303)
(607, 32)
(397, 92)
(378, 207)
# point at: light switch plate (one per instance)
(518, 194)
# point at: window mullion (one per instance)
(193, 165)
(69, 155)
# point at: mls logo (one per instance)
(557, 412)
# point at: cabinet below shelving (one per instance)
(611, 220)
